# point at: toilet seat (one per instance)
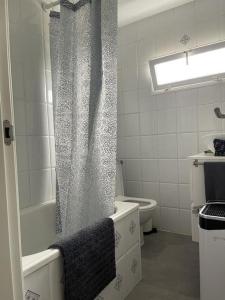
(148, 204)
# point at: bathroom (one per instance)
(160, 133)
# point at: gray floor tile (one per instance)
(170, 264)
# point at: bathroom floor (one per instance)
(170, 267)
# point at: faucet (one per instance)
(218, 113)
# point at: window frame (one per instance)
(185, 83)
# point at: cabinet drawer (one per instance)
(117, 289)
(127, 233)
(36, 285)
(133, 268)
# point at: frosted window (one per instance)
(197, 66)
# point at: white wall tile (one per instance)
(184, 196)
(52, 151)
(147, 101)
(148, 123)
(50, 120)
(132, 169)
(20, 117)
(53, 184)
(39, 152)
(149, 170)
(130, 78)
(184, 169)
(49, 86)
(34, 81)
(120, 148)
(208, 31)
(185, 222)
(187, 119)
(31, 81)
(167, 121)
(130, 99)
(14, 11)
(41, 186)
(120, 102)
(157, 218)
(37, 119)
(146, 50)
(127, 34)
(148, 146)
(18, 79)
(144, 78)
(172, 123)
(170, 219)
(22, 153)
(207, 118)
(150, 190)
(169, 195)
(129, 55)
(166, 101)
(210, 94)
(133, 188)
(167, 146)
(24, 189)
(132, 147)
(128, 125)
(187, 97)
(187, 144)
(168, 171)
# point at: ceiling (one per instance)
(130, 11)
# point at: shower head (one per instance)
(218, 113)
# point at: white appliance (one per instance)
(197, 185)
(212, 251)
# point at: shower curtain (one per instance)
(83, 45)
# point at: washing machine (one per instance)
(212, 251)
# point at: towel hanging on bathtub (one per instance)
(89, 260)
(214, 181)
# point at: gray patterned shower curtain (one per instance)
(83, 45)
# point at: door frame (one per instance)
(11, 276)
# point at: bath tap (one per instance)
(218, 113)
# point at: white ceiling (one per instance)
(130, 11)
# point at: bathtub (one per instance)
(42, 269)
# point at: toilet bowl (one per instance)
(146, 206)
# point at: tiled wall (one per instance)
(158, 132)
(32, 102)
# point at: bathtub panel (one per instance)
(133, 265)
(56, 279)
(36, 285)
(127, 233)
(117, 289)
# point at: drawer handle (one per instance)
(117, 239)
(134, 266)
(132, 227)
(118, 283)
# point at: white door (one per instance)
(10, 249)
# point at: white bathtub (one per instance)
(42, 268)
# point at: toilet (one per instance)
(146, 206)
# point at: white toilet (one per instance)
(146, 206)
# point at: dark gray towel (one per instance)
(89, 260)
(214, 181)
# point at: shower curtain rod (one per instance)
(46, 6)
